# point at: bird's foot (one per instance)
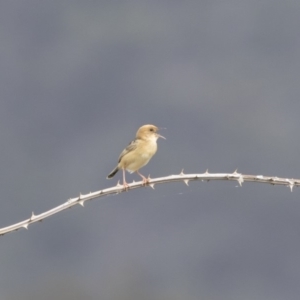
(145, 181)
(126, 186)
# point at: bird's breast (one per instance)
(141, 156)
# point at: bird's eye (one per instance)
(151, 129)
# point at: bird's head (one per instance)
(148, 132)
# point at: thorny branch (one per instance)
(240, 178)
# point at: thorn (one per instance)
(240, 180)
(181, 173)
(81, 203)
(32, 215)
(118, 184)
(235, 172)
(80, 196)
(25, 226)
(151, 185)
(291, 185)
(133, 181)
(206, 172)
(149, 178)
(186, 181)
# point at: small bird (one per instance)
(138, 153)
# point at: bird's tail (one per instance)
(112, 173)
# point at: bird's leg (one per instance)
(126, 186)
(145, 180)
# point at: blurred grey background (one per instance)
(77, 80)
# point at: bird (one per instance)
(138, 153)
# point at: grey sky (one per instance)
(79, 77)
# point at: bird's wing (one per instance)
(132, 146)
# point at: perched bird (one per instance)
(138, 153)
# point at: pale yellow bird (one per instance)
(138, 153)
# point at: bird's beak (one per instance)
(160, 136)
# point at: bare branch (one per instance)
(235, 176)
